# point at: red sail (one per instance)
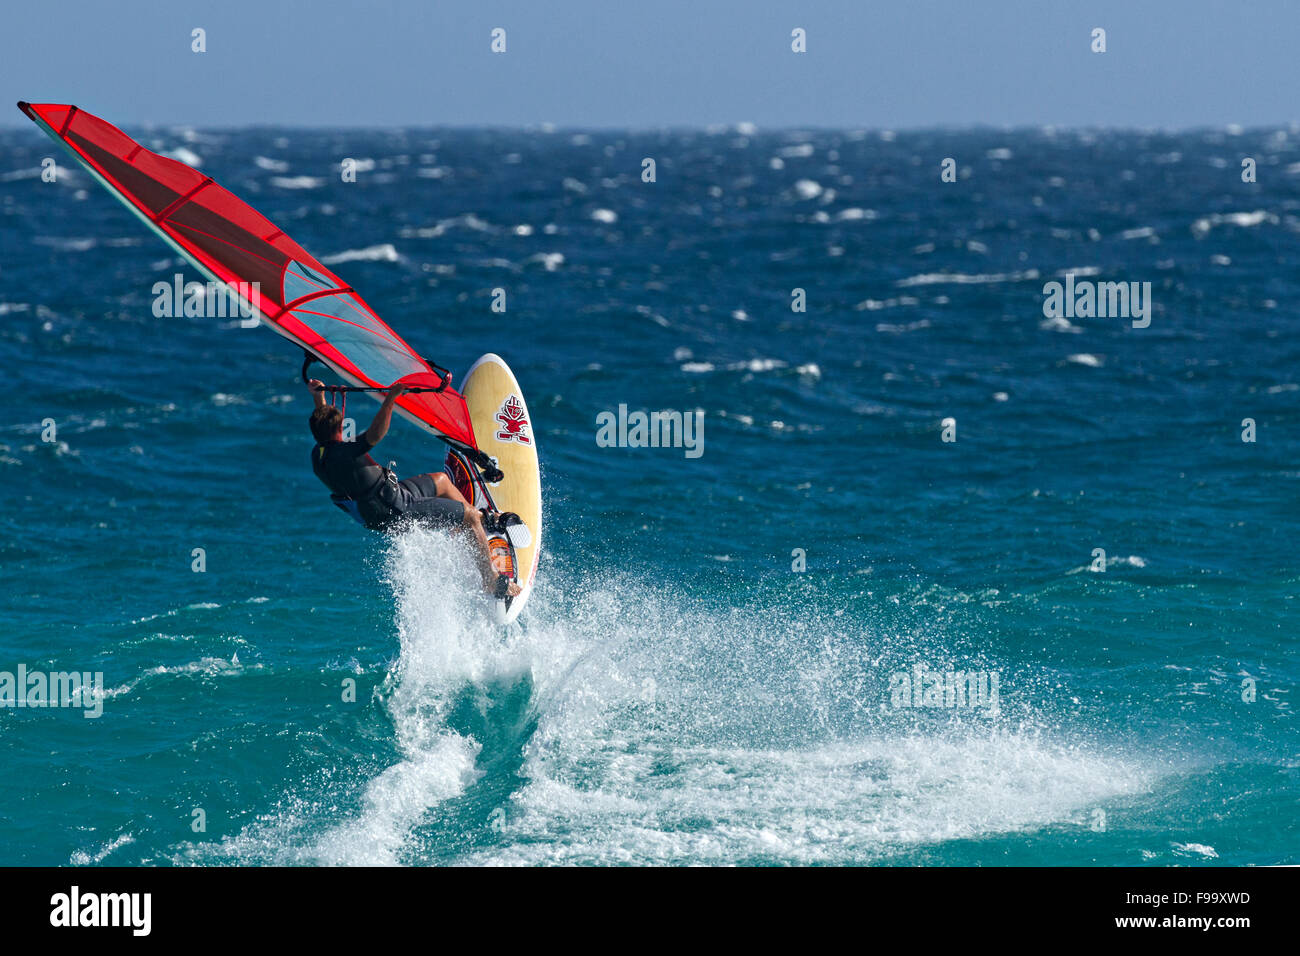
(231, 242)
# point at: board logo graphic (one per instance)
(514, 426)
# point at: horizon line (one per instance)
(713, 129)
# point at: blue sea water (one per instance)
(679, 692)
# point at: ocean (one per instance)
(951, 581)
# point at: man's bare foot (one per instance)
(512, 589)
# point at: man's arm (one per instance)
(317, 391)
(379, 427)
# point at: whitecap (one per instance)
(1059, 323)
(758, 365)
(1245, 220)
(84, 858)
(1142, 232)
(899, 328)
(960, 278)
(808, 188)
(550, 261)
(297, 182)
(855, 214)
(183, 155)
(384, 252)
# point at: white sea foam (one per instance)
(669, 730)
(466, 221)
(808, 189)
(68, 244)
(1059, 323)
(1142, 232)
(1117, 561)
(447, 642)
(875, 305)
(854, 214)
(34, 172)
(384, 252)
(204, 668)
(1243, 220)
(183, 155)
(91, 857)
(844, 802)
(758, 365)
(550, 261)
(898, 328)
(297, 182)
(960, 278)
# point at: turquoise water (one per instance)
(678, 693)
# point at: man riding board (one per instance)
(378, 500)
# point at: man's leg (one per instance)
(474, 522)
(446, 489)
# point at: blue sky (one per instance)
(648, 63)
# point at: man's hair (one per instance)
(325, 422)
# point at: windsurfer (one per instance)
(375, 497)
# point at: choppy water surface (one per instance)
(678, 693)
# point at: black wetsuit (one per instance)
(381, 500)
